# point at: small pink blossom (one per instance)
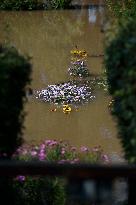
(33, 153)
(84, 149)
(47, 142)
(42, 146)
(42, 151)
(73, 148)
(63, 152)
(20, 178)
(105, 158)
(51, 142)
(42, 156)
(96, 149)
(24, 152)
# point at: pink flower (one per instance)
(20, 178)
(73, 148)
(33, 153)
(84, 149)
(47, 142)
(105, 158)
(42, 151)
(42, 146)
(63, 152)
(24, 152)
(96, 149)
(51, 142)
(42, 156)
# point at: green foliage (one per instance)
(50, 191)
(57, 4)
(100, 81)
(14, 76)
(18, 4)
(124, 8)
(42, 191)
(120, 62)
(33, 4)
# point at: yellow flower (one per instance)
(74, 52)
(78, 54)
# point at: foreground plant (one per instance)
(41, 190)
(120, 62)
(60, 152)
(15, 72)
(125, 8)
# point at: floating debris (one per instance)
(78, 67)
(74, 92)
(53, 110)
(79, 53)
(66, 93)
(67, 109)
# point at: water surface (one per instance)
(48, 37)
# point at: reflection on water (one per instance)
(92, 16)
(48, 37)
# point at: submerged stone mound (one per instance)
(66, 93)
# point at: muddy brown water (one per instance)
(48, 37)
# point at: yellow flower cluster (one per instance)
(78, 54)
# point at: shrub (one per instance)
(125, 8)
(57, 4)
(18, 4)
(40, 190)
(33, 4)
(60, 152)
(14, 76)
(120, 62)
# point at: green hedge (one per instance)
(18, 4)
(125, 8)
(33, 4)
(57, 4)
(120, 63)
(14, 76)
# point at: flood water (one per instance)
(48, 37)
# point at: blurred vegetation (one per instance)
(19, 4)
(57, 4)
(39, 190)
(120, 62)
(33, 190)
(125, 8)
(14, 76)
(33, 4)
